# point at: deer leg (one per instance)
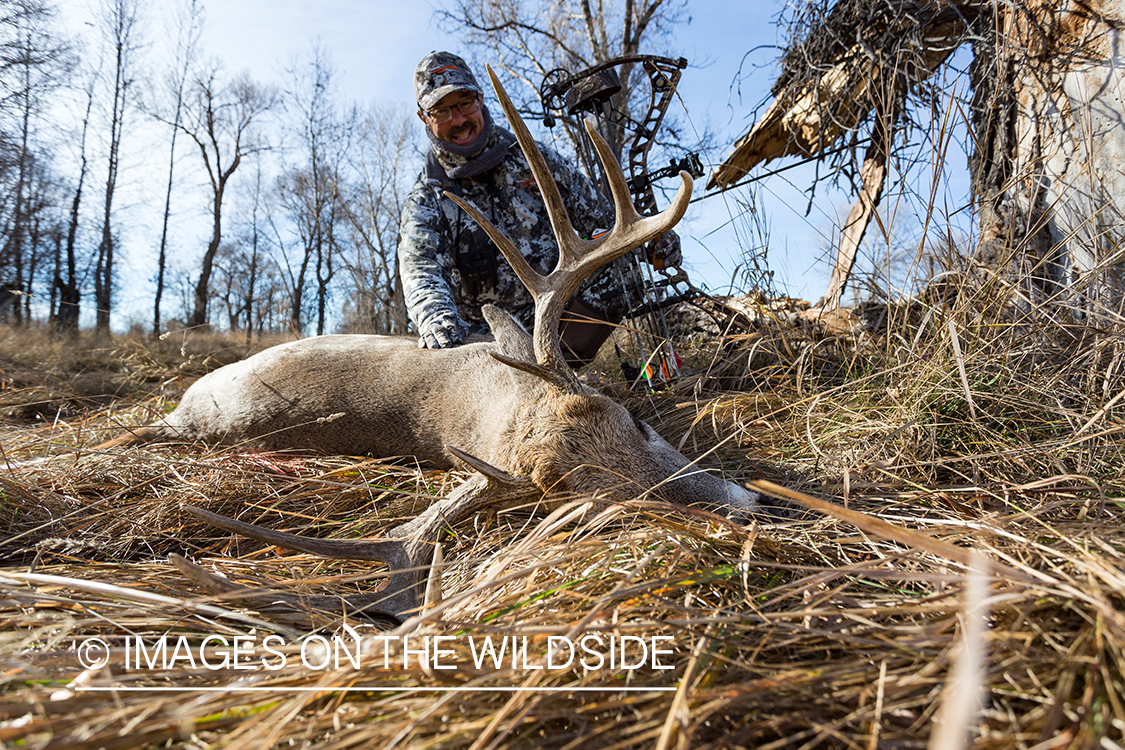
(407, 552)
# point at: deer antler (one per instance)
(407, 550)
(578, 258)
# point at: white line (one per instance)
(375, 689)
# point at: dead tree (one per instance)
(310, 189)
(70, 295)
(190, 22)
(218, 120)
(1047, 175)
(381, 166)
(119, 20)
(30, 67)
(1045, 117)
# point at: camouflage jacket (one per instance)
(450, 267)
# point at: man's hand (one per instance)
(666, 251)
(441, 333)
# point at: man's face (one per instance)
(459, 129)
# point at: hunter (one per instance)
(449, 266)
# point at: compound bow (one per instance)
(591, 91)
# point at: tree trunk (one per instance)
(35, 239)
(199, 314)
(70, 297)
(121, 18)
(248, 300)
(1015, 237)
(297, 298)
(14, 250)
(188, 38)
(161, 260)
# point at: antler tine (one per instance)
(527, 275)
(630, 229)
(407, 551)
(403, 558)
(578, 258)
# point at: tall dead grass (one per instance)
(946, 568)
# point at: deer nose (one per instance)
(742, 503)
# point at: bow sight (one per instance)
(591, 92)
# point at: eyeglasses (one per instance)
(445, 114)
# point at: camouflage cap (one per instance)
(439, 74)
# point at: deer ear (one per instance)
(511, 339)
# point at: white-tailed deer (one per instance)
(511, 409)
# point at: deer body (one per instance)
(394, 399)
(382, 396)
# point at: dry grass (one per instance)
(1000, 453)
